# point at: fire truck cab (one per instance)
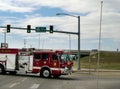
(48, 64)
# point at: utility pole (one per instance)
(69, 43)
(99, 46)
(5, 37)
(24, 43)
(78, 42)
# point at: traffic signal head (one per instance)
(51, 28)
(28, 28)
(8, 28)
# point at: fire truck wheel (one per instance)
(1, 69)
(45, 72)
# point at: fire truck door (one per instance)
(45, 59)
(40, 59)
(55, 61)
(11, 60)
(36, 61)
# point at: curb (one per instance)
(94, 70)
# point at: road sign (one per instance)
(40, 29)
(4, 45)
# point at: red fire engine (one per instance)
(47, 63)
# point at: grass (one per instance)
(108, 60)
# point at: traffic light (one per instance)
(28, 28)
(8, 28)
(51, 28)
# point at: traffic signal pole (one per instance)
(78, 42)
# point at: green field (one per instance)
(108, 60)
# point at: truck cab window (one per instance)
(65, 57)
(37, 56)
(54, 57)
(45, 56)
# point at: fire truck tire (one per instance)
(1, 69)
(45, 72)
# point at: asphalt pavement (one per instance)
(77, 80)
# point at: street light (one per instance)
(78, 35)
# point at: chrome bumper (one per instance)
(66, 71)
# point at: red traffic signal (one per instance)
(28, 28)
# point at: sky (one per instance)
(42, 13)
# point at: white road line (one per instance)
(34, 86)
(23, 79)
(14, 84)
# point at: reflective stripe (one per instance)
(36, 67)
(57, 69)
(61, 69)
(50, 68)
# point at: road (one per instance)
(73, 81)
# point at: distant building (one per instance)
(93, 51)
(117, 50)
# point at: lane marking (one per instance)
(23, 79)
(34, 86)
(14, 84)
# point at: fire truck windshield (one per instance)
(66, 57)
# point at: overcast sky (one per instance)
(42, 13)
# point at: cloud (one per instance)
(89, 10)
(14, 6)
(78, 6)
